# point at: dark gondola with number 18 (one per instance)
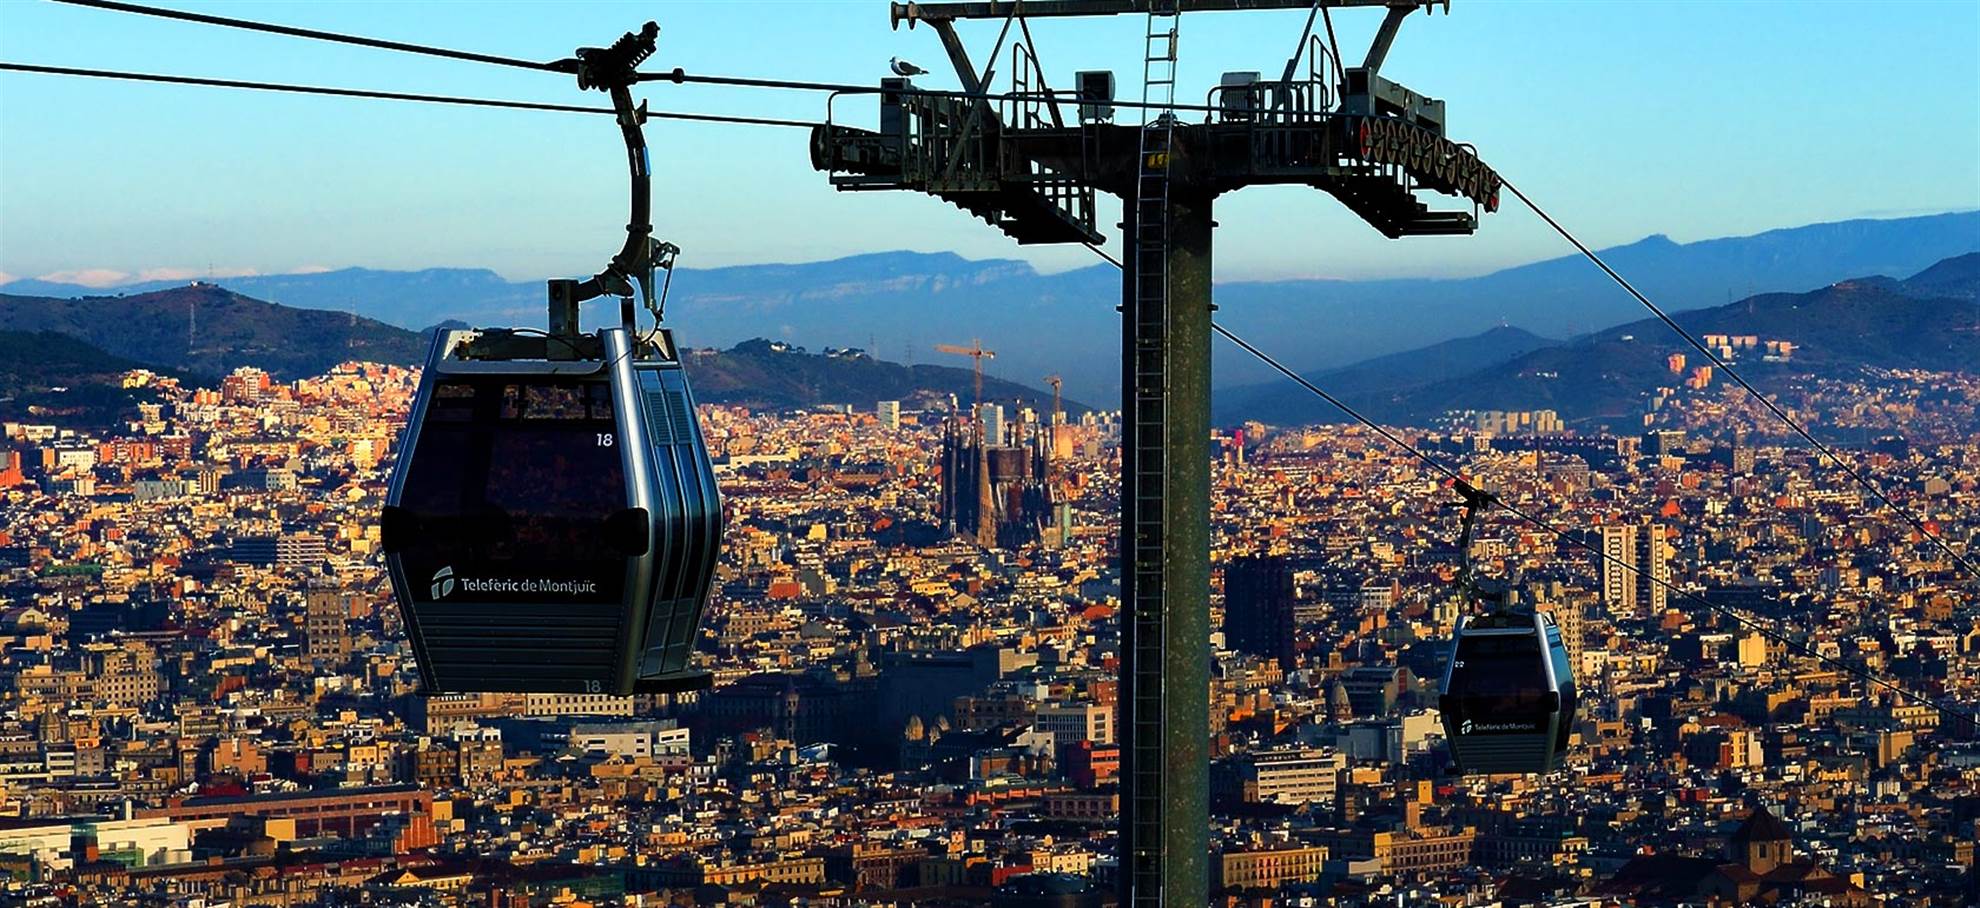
(553, 524)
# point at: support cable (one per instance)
(1972, 571)
(682, 77)
(1389, 436)
(677, 75)
(383, 95)
(317, 35)
(1563, 535)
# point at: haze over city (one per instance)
(1532, 463)
(1696, 122)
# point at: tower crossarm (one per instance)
(949, 149)
(1377, 165)
(912, 13)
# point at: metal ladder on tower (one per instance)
(1151, 380)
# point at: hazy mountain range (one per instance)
(1064, 323)
(760, 373)
(1930, 320)
(69, 372)
(900, 304)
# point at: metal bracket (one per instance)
(613, 70)
(662, 257)
(1476, 501)
(1385, 35)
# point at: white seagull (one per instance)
(904, 68)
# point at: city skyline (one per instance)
(221, 566)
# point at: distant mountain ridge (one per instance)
(899, 304)
(210, 331)
(764, 374)
(1928, 321)
(1276, 401)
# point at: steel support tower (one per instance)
(1015, 160)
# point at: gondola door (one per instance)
(687, 516)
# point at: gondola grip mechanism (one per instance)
(613, 70)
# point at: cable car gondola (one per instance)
(1509, 699)
(553, 524)
(553, 520)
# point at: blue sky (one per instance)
(1693, 119)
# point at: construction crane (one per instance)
(976, 352)
(1056, 489)
(986, 527)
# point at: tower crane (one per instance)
(976, 352)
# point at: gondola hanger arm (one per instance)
(1475, 502)
(614, 70)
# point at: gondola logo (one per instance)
(1490, 728)
(443, 582)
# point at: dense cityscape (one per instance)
(1510, 486)
(210, 699)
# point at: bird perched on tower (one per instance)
(904, 68)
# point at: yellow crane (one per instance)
(976, 352)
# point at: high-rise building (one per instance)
(1569, 612)
(889, 412)
(1258, 607)
(1376, 596)
(1617, 545)
(1660, 442)
(1071, 723)
(1739, 456)
(1634, 567)
(1653, 567)
(1284, 776)
(1376, 690)
(299, 550)
(326, 624)
(993, 424)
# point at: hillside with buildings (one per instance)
(1841, 332)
